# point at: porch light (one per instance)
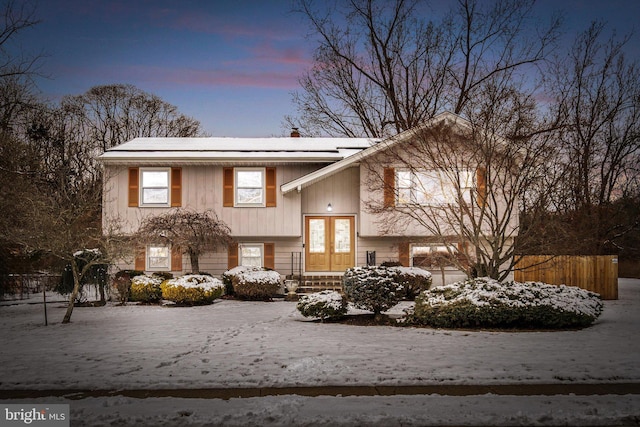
(329, 207)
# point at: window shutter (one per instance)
(176, 187)
(140, 261)
(232, 260)
(269, 256)
(227, 187)
(270, 187)
(403, 254)
(389, 187)
(481, 185)
(134, 187)
(176, 259)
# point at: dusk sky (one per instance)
(231, 64)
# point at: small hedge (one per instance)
(193, 289)
(487, 303)
(227, 277)
(323, 305)
(146, 289)
(372, 288)
(260, 285)
(414, 280)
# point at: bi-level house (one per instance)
(298, 205)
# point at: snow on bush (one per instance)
(227, 276)
(146, 289)
(324, 305)
(256, 285)
(372, 288)
(192, 289)
(413, 279)
(487, 303)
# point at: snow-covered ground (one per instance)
(255, 344)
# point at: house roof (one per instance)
(216, 149)
(352, 160)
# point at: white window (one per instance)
(250, 185)
(251, 254)
(429, 256)
(158, 258)
(154, 187)
(433, 188)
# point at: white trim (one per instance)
(263, 174)
(147, 257)
(249, 244)
(141, 202)
(352, 160)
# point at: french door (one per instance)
(329, 243)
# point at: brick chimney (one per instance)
(295, 133)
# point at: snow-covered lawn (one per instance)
(257, 344)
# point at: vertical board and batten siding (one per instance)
(342, 190)
(598, 273)
(201, 189)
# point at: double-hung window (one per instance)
(250, 187)
(154, 187)
(158, 258)
(251, 254)
(425, 255)
(432, 187)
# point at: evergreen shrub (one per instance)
(192, 289)
(146, 289)
(487, 303)
(324, 305)
(256, 285)
(372, 288)
(413, 279)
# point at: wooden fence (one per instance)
(593, 273)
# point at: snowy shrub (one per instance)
(256, 285)
(487, 303)
(372, 288)
(413, 279)
(324, 305)
(146, 289)
(192, 289)
(227, 276)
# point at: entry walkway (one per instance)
(443, 390)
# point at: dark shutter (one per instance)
(176, 187)
(389, 187)
(270, 187)
(232, 259)
(134, 187)
(227, 187)
(269, 256)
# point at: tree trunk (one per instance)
(195, 265)
(103, 299)
(74, 293)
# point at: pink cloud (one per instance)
(255, 78)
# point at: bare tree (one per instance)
(194, 233)
(462, 183)
(596, 96)
(380, 69)
(114, 114)
(15, 17)
(64, 222)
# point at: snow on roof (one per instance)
(226, 149)
(357, 156)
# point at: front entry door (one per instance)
(329, 243)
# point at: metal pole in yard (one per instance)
(44, 299)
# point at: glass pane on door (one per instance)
(316, 235)
(342, 235)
